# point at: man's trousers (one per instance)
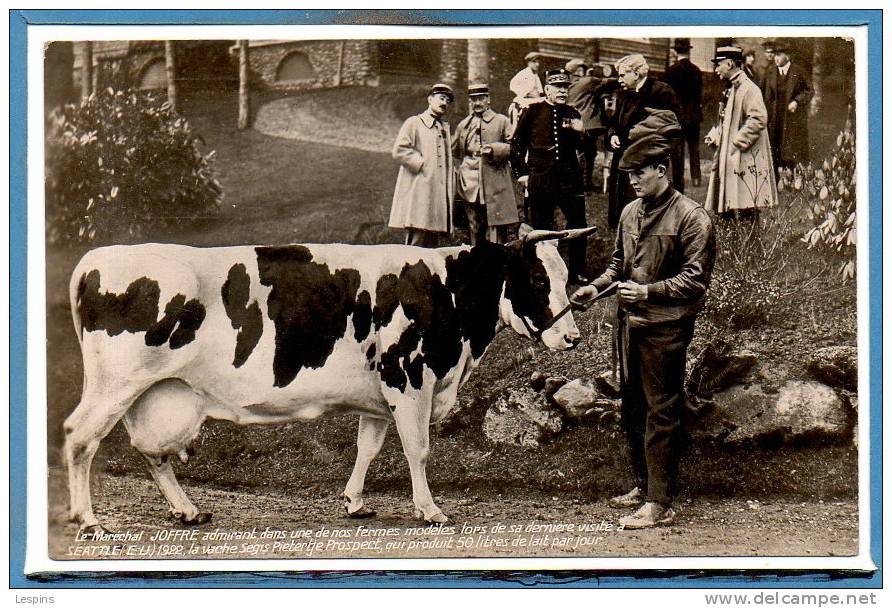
(653, 400)
(542, 207)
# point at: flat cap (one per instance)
(557, 77)
(650, 141)
(575, 64)
(443, 89)
(531, 55)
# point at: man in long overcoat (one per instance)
(787, 96)
(639, 93)
(480, 148)
(425, 185)
(742, 177)
(686, 81)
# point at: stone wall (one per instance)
(359, 65)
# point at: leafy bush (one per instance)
(828, 194)
(120, 162)
(760, 262)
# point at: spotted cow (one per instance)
(171, 335)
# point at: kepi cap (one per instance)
(728, 52)
(557, 77)
(443, 89)
(478, 89)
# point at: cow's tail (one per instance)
(75, 288)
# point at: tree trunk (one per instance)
(478, 61)
(244, 98)
(170, 63)
(87, 70)
(817, 77)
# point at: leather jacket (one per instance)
(667, 244)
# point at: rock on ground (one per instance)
(836, 366)
(576, 397)
(522, 417)
(747, 412)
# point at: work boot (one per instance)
(650, 514)
(632, 498)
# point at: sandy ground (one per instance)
(250, 525)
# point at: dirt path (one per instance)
(251, 525)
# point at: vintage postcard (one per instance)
(377, 297)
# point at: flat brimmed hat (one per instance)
(781, 47)
(443, 89)
(557, 78)
(575, 64)
(682, 45)
(531, 55)
(478, 89)
(728, 52)
(769, 46)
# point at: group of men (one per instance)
(665, 243)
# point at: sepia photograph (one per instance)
(420, 298)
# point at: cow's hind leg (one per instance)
(89, 423)
(163, 423)
(369, 440)
(412, 413)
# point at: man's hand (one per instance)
(792, 107)
(614, 142)
(583, 295)
(629, 292)
(576, 125)
(486, 150)
(523, 179)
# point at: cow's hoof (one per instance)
(362, 513)
(199, 519)
(93, 530)
(437, 519)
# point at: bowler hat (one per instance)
(682, 45)
(443, 89)
(557, 77)
(769, 45)
(728, 52)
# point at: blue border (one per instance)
(19, 22)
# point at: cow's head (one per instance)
(536, 288)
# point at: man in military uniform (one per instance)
(662, 260)
(543, 156)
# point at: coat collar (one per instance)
(427, 118)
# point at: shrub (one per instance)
(120, 162)
(828, 194)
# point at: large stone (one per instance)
(836, 366)
(552, 385)
(537, 380)
(522, 417)
(745, 413)
(576, 397)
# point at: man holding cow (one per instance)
(662, 260)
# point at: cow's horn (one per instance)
(576, 233)
(543, 235)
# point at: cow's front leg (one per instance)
(369, 440)
(412, 413)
